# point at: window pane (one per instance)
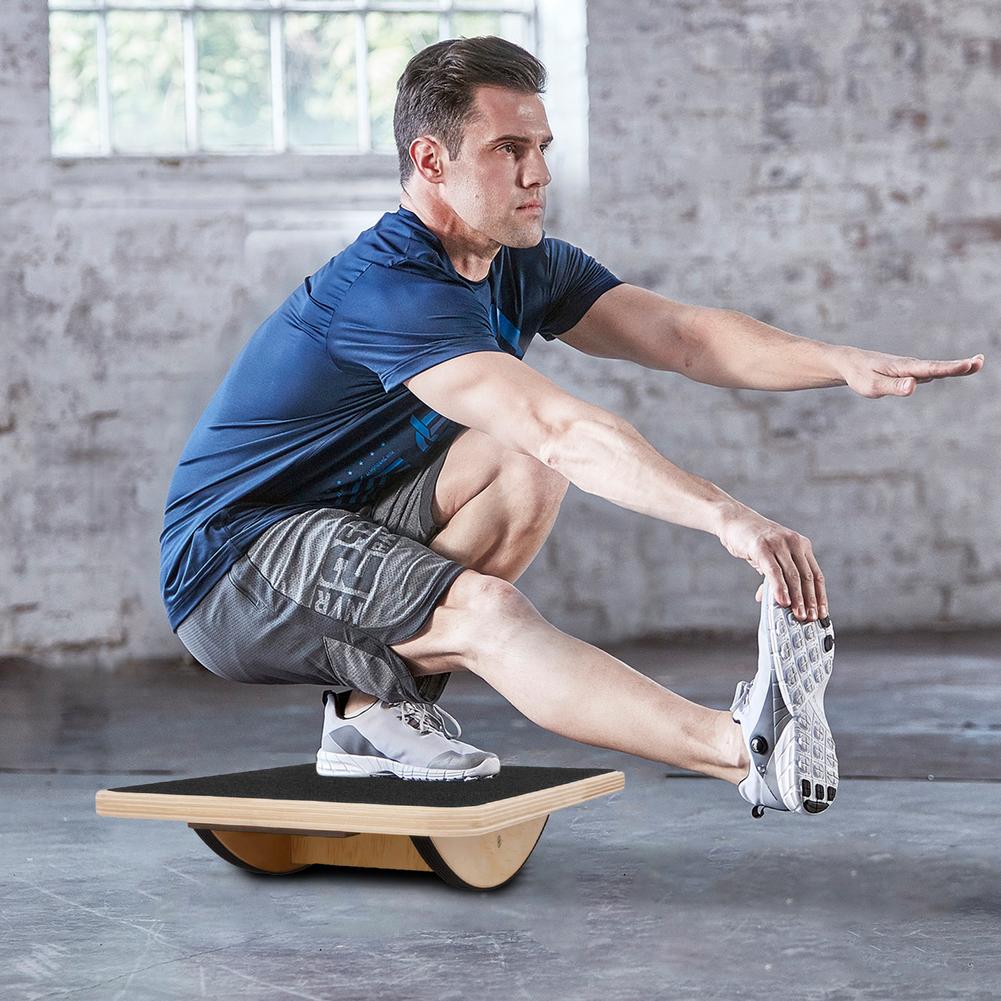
(73, 83)
(392, 40)
(509, 26)
(517, 4)
(523, 4)
(471, 25)
(146, 80)
(263, 4)
(320, 80)
(234, 80)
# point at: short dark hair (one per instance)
(436, 92)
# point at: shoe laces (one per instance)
(427, 718)
(741, 695)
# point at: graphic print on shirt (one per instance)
(509, 334)
(427, 427)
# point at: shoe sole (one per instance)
(807, 763)
(331, 763)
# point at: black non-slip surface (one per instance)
(301, 782)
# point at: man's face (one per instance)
(501, 168)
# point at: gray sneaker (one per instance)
(410, 740)
(794, 765)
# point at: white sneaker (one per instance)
(781, 713)
(406, 739)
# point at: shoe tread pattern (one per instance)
(808, 764)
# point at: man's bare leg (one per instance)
(579, 691)
(487, 626)
(482, 485)
(559, 682)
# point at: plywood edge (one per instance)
(374, 818)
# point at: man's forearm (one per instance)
(733, 350)
(607, 456)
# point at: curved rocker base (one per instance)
(477, 862)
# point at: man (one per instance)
(380, 465)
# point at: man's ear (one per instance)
(427, 156)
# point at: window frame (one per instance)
(276, 9)
(318, 190)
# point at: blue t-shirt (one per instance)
(313, 412)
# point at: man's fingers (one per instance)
(925, 371)
(974, 365)
(819, 585)
(793, 586)
(807, 583)
(770, 567)
(957, 366)
(797, 582)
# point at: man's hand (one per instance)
(783, 556)
(873, 374)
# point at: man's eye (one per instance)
(511, 147)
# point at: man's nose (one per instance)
(536, 172)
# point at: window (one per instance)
(246, 76)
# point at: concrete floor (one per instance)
(667, 889)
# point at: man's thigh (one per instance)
(320, 598)
(406, 506)
(473, 461)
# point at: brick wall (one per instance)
(828, 168)
(831, 169)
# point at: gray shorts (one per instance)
(318, 598)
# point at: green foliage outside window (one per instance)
(146, 77)
(234, 79)
(146, 80)
(73, 71)
(321, 80)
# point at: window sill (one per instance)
(227, 178)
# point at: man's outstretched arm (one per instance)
(602, 454)
(727, 348)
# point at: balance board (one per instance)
(474, 834)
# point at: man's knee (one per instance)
(470, 626)
(539, 488)
(490, 607)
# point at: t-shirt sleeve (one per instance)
(576, 280)
(397, 322)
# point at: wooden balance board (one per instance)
(474, 834)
